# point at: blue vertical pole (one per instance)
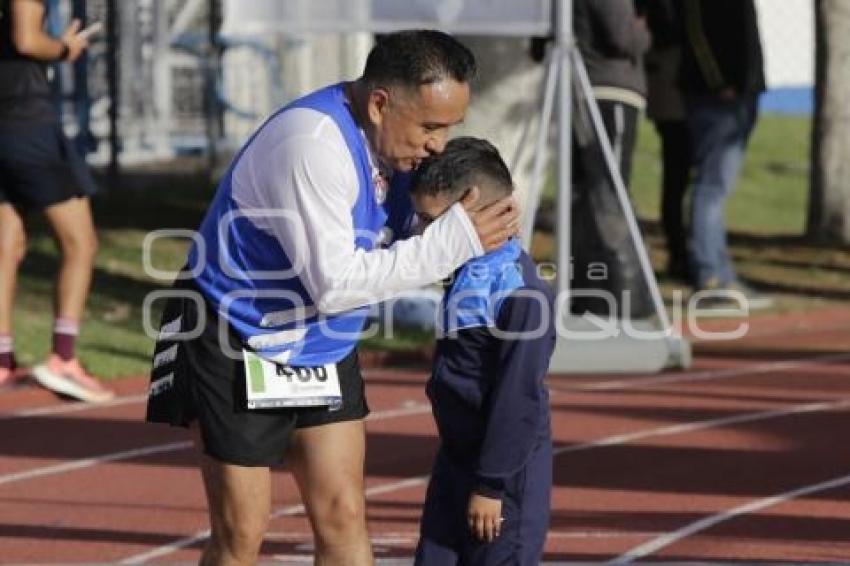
(54, 27)
(85, 141)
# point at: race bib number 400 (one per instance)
(270, 385)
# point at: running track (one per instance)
(742, 458)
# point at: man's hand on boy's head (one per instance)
(485, 517)
(495, 223)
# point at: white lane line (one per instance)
(413, 409)
(410, 409)
(695, 426)
(75, 407)
(385, 542)
(635, 382)
(630, 383)
(409, 537)
(93, 461)
(65, 408)
(604, 442)
(287, 511)
(669, 538)
(684, 377)
(790, 332)
(308, 559)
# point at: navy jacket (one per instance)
(486, 388)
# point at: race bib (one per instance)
(270, 385)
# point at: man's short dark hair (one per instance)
(464, 163)
(413, 58)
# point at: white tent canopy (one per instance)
(485, 17)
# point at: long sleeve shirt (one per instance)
(299, 236)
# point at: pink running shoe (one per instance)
(70, 378)
(10, 377)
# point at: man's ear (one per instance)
(379, 99)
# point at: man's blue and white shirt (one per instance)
(297, 239)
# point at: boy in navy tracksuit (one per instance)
(488, 499)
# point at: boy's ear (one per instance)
(470, 197)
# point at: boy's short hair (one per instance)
(465, 162)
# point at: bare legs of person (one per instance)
(239, 500)
(73, 227)
(327, 462)
(12, 251)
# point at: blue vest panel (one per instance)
(247, 300)
(480, 287)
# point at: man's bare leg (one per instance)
(239, 501)
(327, 462)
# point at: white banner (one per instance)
(788, 38)
(476, 17)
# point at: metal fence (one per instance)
(173, 96)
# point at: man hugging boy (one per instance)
(488, 498)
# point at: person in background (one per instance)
(612, 40)
(488, 498)
(40, 170)
(722, 76)
(666, 108)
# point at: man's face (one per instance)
(410, 125)
(429, 207)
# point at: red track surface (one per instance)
(761, 417)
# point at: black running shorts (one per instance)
(39, 167)
(193, 380)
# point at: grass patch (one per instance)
(771, 197)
